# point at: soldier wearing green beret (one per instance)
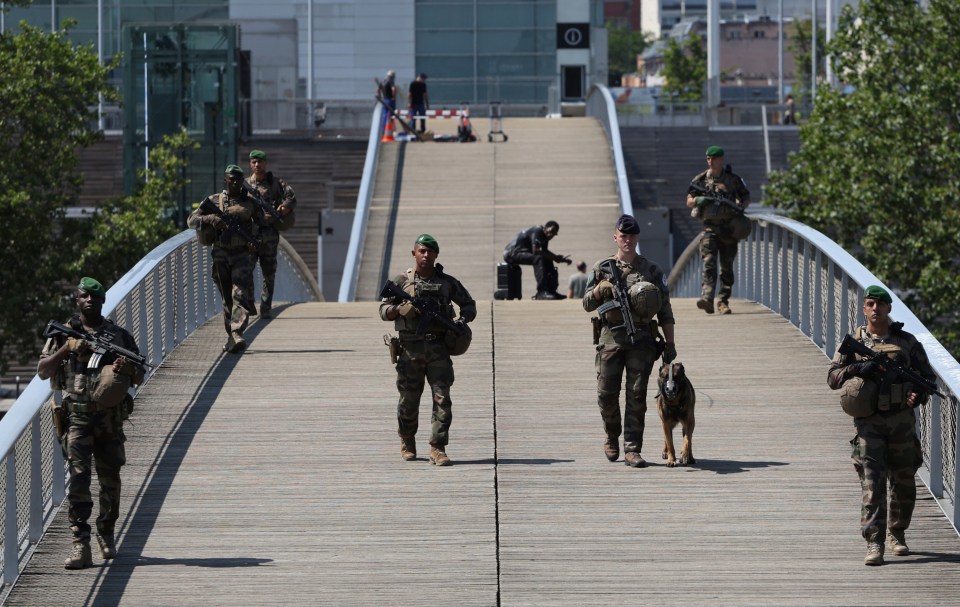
(234, 257)
(91, 426)
(426, 357)
(277, 193)
(885, 448)
(717, 239)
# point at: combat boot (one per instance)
(239, 343)
(897, 543)
(438, 457)
(108, 548)
(80, 556)
(611, 448)
(874, 554)
(408, 448)
(705, 304)
(265, 312)
(633, 459)
(723, 308)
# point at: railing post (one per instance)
(818, 299)
(35, 528)
(844, 323)
(830, 333)
(11, 535)
(936, 448)
(795, 282)
(156, 321)
(801, 281)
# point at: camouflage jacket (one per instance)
(727, 185)
(243, 208)
(441, 287)
(74, 377)
(639, 269)
(274, 191)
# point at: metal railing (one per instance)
(601, 106)
(161, 301)
(811, 281)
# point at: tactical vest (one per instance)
(272, 190)
(81, 383)
(437, 289)
(896, 396)
(241, 210)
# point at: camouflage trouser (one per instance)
(713, 245)
(98, 437)
(424, 360)
(233, 275)
(886, 449)
(267, 255)
(638, 362)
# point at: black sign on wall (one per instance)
(573, 35)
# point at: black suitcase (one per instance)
(508, 282)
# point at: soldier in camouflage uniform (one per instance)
(615, 352)
(716, 239)
(427, 356)
(274, 191)
(91, 430)
(886, 448)
(233, 256)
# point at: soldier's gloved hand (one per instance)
(604, 289)
(77, 345)
(865, 369)
(702, 200)
(669, 353)
(215, 221)
(407, 310)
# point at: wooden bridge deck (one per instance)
(275, 478)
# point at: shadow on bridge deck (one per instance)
(275, 478)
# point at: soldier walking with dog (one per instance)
(89, 422)
(723, 226)
(427, 339)
(885, 448)
(617, 350)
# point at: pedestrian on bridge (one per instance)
(425, 345)
(89, 421)
(279, 195)
(529, 247)
(720, 222)
(418, 102)
(236, 221)
(885, 448)
(616, 352)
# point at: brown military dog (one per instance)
(675, 404)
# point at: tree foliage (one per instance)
(623, 47)
(877, 169)
(685, 68)
(802, 49)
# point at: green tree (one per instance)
(47, 93)
(623, 47)
(877, 169)
(800, 39)
(128, 228)
(685, 68)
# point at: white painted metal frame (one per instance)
(161, 301)
(601, 106)
(811, 281)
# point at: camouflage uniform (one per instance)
(716, 239)
(276, 192)
(615, 353)
(427, 356)
(886, 447)
(233, 263)
(93, 433)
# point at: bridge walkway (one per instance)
(275, 478)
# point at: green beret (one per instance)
(428, 241)
(878, 293)
(93, 287)
(233, 168)
(258, 155)
(714, 150)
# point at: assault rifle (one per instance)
(100, 344)
(621, 299)
(266, 206)
(716, 198)
(429, 309)
(207, 207)
(892, 370)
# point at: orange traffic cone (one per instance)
(388, 130)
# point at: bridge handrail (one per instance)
(814, 283)
(164, 298)
(600, 105)
(351, 266)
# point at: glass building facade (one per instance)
(487, 50)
